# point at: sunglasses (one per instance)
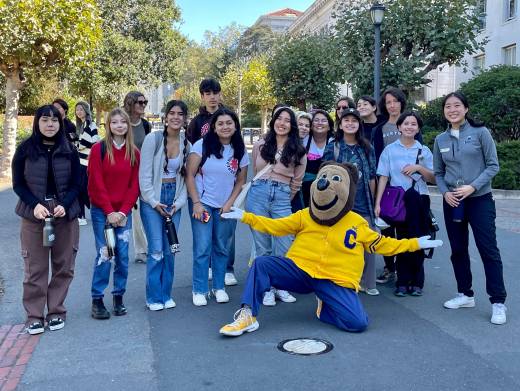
(142, 102)
(341, 107)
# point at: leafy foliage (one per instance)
(305, 70)
(416, 37)
(509, 157)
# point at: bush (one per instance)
(429, 138)
(509, 157)
(432, 116)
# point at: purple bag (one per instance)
(392, 205)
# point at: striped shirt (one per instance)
(88, 138)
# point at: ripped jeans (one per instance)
(160, 262)
(102, 264)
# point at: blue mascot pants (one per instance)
(339, 306)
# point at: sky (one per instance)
(201, 15)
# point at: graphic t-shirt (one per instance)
(315, 152)
(390, 133)
(216, 178)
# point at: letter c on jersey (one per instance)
(350, 239)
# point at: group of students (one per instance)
(136, 180)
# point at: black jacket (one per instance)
(199, 125)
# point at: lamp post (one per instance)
(377, 12)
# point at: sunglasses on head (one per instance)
(142, 102)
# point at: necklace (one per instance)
(137, 123)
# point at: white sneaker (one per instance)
(460, 301)
(155, 306)
(210, 274)
(499, 313)
(372, 291)
(269, 299)
(199, 299)
(284, 296)
(82, 221)
(230, 279)
(169, 304)
(221, 296)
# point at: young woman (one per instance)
(350, 146)
(88, 136)
(163, 194)
(367, 107)
(408, 164)
(215, 173)
(304, 126)
(322, 131)
(46, 177)
(465, 161)
(343, 103)
(113, 187)
(134, 104)
(271, 194)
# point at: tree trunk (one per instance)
(264, 120)
(13, 85)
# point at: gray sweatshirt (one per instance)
(151, 169)
(472, 157)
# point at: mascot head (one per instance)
(333, 192)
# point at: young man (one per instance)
(212, 99)
(135, 104)
(70, 128)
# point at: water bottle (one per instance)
(110, 239)
(171, 234)
(458, 211)
(48, 232)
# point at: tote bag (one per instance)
(392, 205)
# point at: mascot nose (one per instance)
(322, 184)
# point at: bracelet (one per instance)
(196, 202)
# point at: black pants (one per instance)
(480, 213)
(83, 198)
(389, 260)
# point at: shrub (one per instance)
(509, 157)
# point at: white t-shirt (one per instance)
(315, 152)
(218, 175)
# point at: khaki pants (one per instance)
(38, 291)
(140, 243)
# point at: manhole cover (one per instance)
(305, 346)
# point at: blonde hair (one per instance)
(130, 153)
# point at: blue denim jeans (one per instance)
(102, 263)
(160, 262)
(271, 199)
(211, 240)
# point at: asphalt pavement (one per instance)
(412, 343)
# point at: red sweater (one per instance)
(112, 187)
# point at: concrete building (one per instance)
(501, 25)
(279, 21)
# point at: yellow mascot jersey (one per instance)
(334, 253)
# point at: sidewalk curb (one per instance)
(498, 194)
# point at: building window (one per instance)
(479, 63)
(510, 9)
(482, 13)
(509, 54)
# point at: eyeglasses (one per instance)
(320, 121)
(142, 102)
(341, 107)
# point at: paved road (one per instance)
(411, 344)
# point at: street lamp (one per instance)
(377, 12)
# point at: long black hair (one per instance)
(184, 108)
(397, 94)
(460, 96)
(360, 139)
(293, 150)
(330, 132)
(34, 142)
(211, 144)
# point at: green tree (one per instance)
(416, 37)
(140, 48)
(305, 70)
(256, 40)
(494, 97)
(40, 34)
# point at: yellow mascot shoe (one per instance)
(244, 322)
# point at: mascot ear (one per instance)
(352, 170)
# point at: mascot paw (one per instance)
(235, 213)
(425, 242)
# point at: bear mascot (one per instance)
(326, 257)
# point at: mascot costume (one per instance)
(326, 257)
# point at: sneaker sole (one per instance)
(469, 305)
(230, 283)
(500, 322)
(100, 316)
(57, 327)
(248, 329)
(223, 301)
(36, 331)
(269, 304)
(286, 301)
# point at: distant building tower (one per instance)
(279, 21)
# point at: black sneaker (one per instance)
(386, 277)
(401, 291)
(56, 324)
(35, 328)
(119, 307)
(99, 310)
